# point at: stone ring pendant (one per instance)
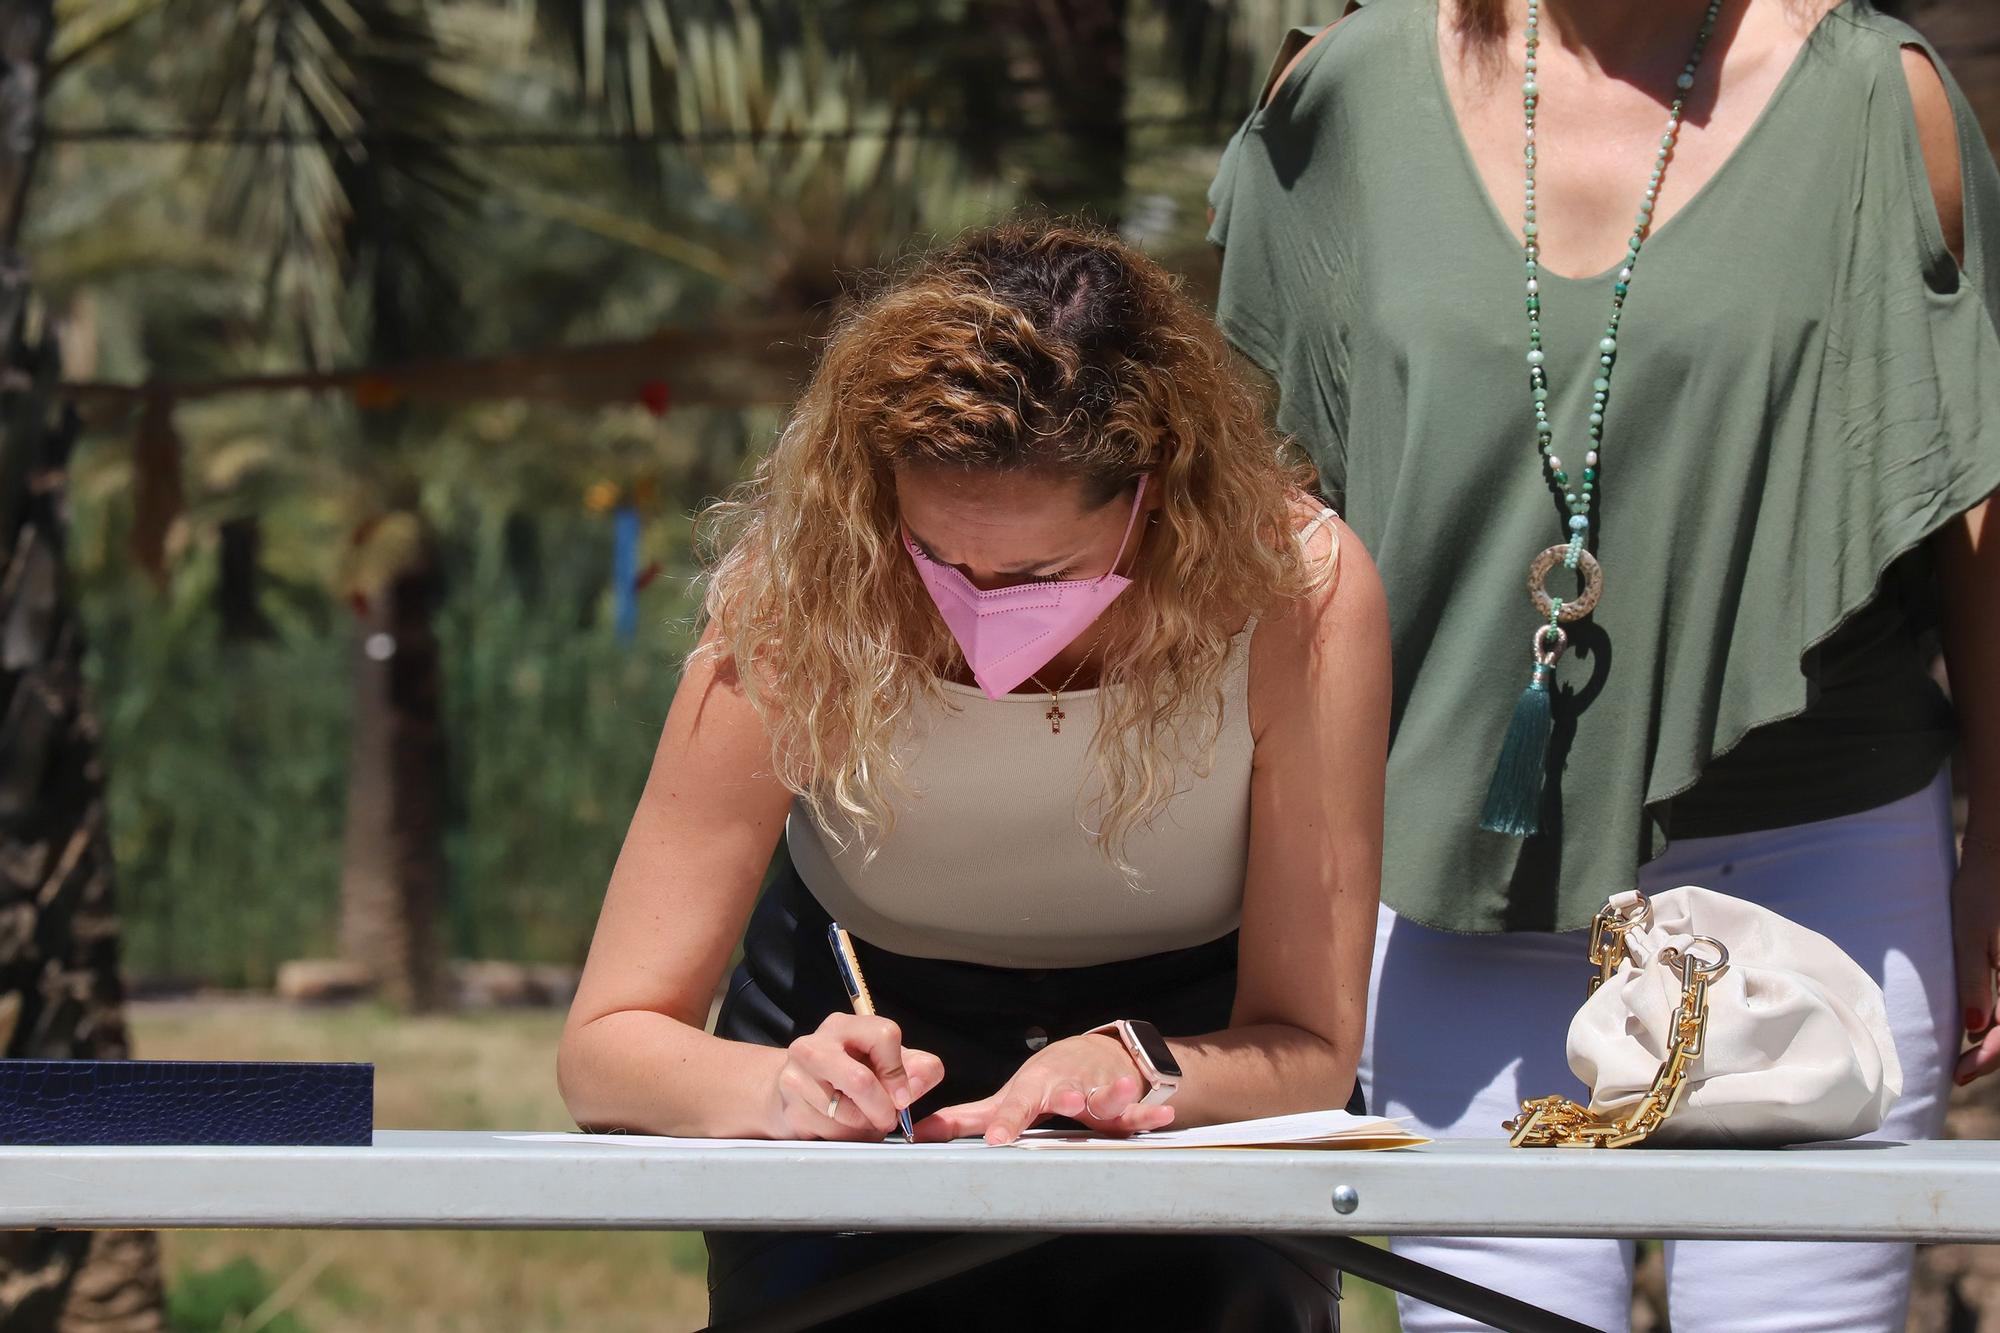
(1586, 601)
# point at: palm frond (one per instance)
(359, 202)
(83, 27)
(791, 151)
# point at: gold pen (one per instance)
(857, 994)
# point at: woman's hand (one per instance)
(1975, 917)
(1090, 1079)
(848, 1079)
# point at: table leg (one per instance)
(857, 1291)
(1441, 1289)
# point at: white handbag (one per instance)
(1715, 1021)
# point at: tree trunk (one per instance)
(61, 995)
(238, 586)
(393, 872)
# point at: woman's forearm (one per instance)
(1264, 1069)
(1969, 564)
(645, 1073)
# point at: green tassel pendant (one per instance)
(1514, 797)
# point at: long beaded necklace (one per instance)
(1514, 798)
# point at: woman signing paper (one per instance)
(1072, 706)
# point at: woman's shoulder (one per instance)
(1330, 643)
(1866, 27)
(1859, 43)
(1324, 81)
(1314, 63)
(1926, 116)
(1318, 530)
(1343, 594)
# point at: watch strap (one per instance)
(1160, 1085)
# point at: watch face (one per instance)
(1156, 1050)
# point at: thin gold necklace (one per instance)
(1055, 713)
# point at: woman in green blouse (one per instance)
(1695, 299)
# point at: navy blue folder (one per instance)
(114, 1102)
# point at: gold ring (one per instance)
(1586, 601)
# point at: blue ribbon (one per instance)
(625, 572)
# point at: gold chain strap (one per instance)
(1558, 1122)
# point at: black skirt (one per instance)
(983, 1022)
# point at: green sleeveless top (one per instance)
(1808, 388)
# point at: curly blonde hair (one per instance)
(1025, 346)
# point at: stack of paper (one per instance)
(1309, 1129)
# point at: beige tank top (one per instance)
(991, 862)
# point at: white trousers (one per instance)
(1463, 1028)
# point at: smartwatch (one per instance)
(1158, 1069)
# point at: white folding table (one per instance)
(1314, 1200)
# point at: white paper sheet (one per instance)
(1310, 1129)
(1307, 1129)
(665, 1141)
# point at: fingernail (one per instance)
(902, 1098)
(1974, 1020)
(1963, 1079)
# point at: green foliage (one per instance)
(355, 216)
(221, 1300)
(553, 726)
(229, 760)
(229, 775)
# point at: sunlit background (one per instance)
(404, 337)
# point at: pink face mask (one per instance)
(1008, 634)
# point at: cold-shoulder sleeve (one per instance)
(1912, 398)
(1264, 199)
(1903, 437)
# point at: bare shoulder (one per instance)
(714, 733)
(1937, 134)
(1351, 598)
(1324, 655)
(1345, 605)
(1326, 538)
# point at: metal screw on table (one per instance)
(1345, 1199)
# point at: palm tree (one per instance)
(60, 990)
(356, 207)
(356, 202)
(1038, 89)
(1044, 92)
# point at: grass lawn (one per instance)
(475, 1071)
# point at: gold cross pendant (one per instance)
(1055, 715)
